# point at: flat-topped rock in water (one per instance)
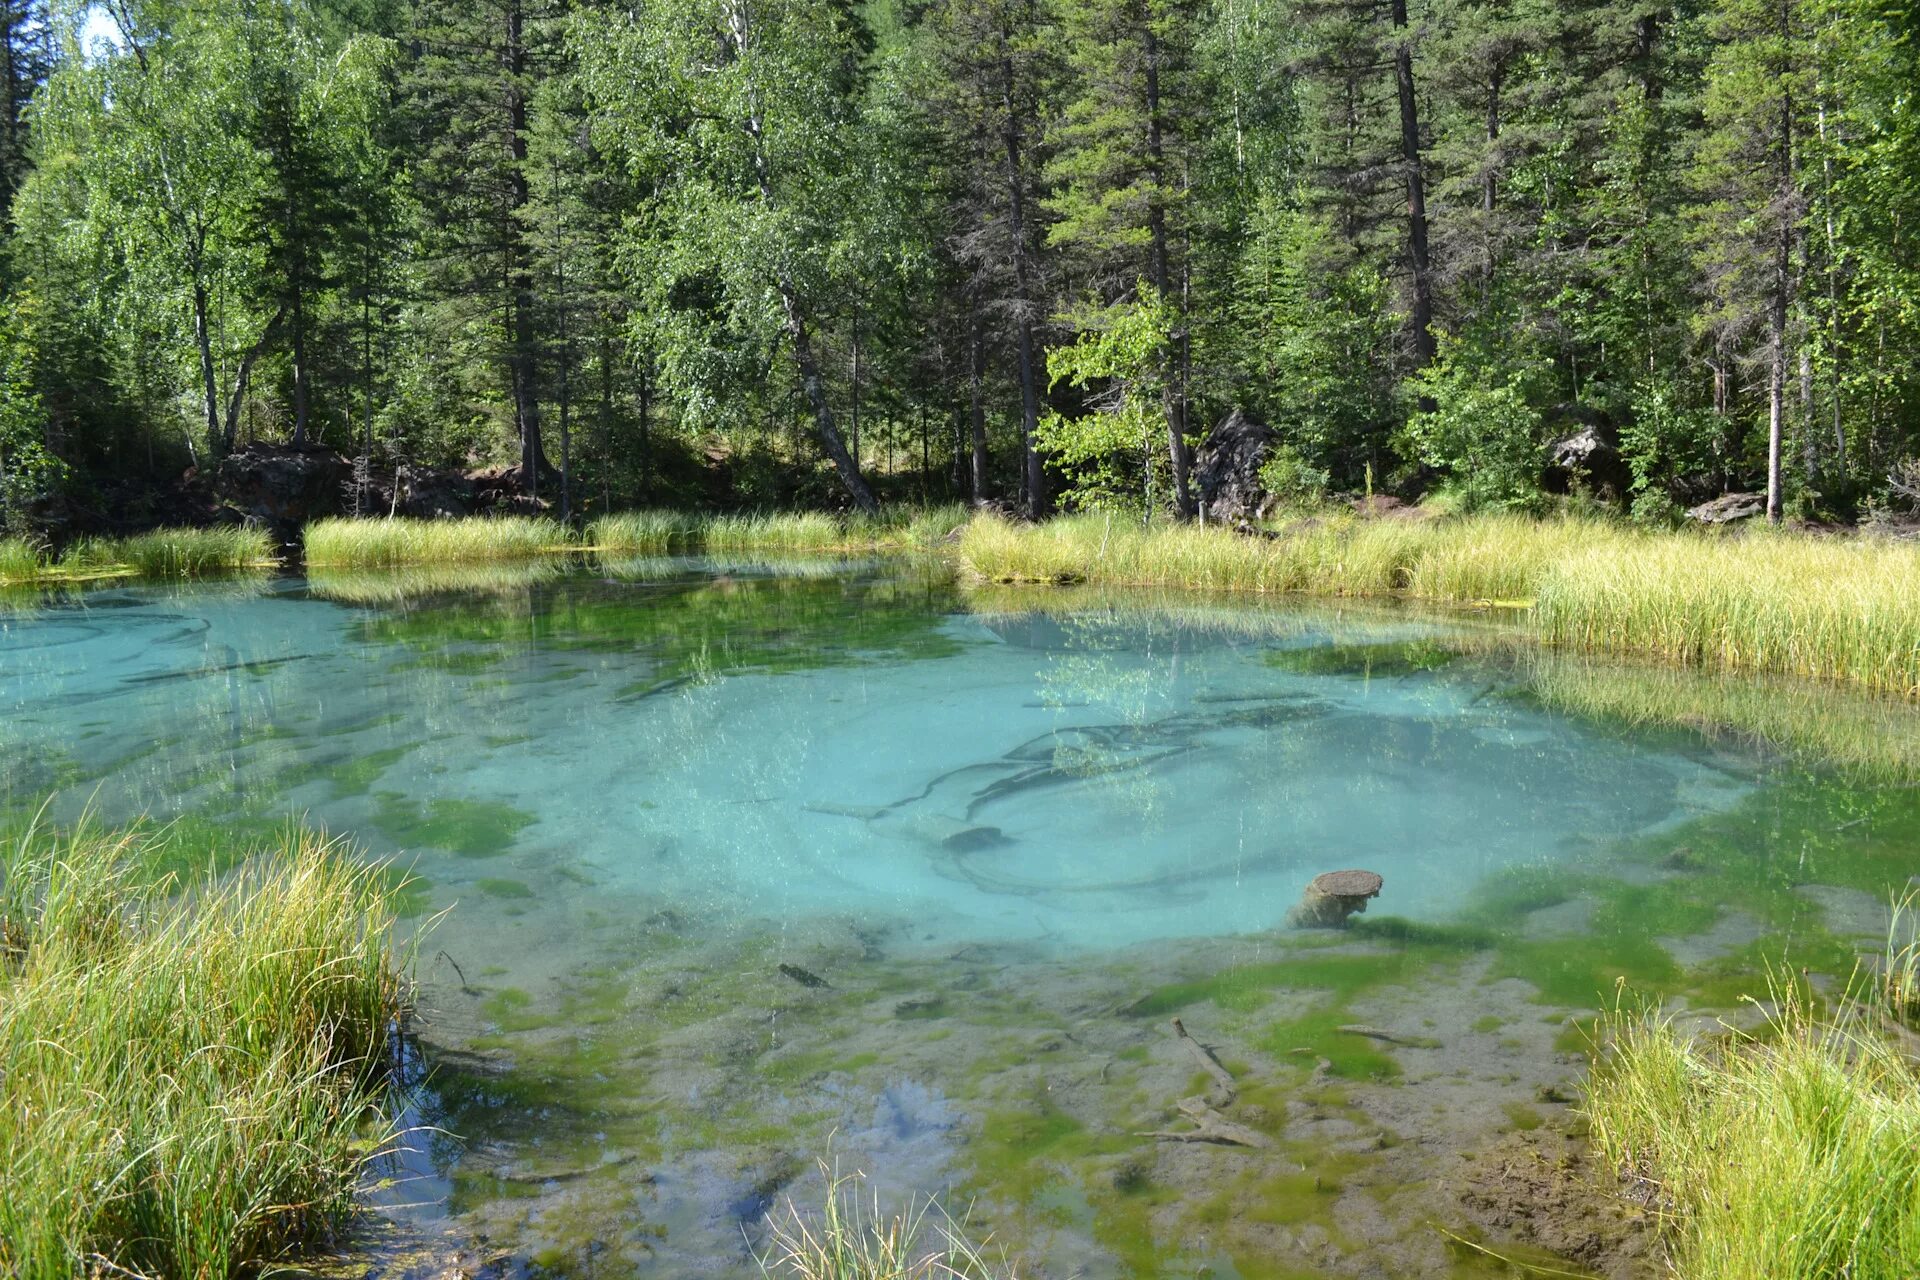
(1333, 896)
(1347, 884)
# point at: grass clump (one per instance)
(1839, 610)
(851, 1238)
(1843, 610)
(163, 553)
(1477, 560)
(21, 560)
(773, 531)
(896, 527)
(642, 531)
(188, 553)
(1793, 1152)
(189, 1073)
(374, 543)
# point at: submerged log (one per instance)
(1387, 1037)
(1330, 898)
(803, 977)
(1222, 1078)
(1210, 1126)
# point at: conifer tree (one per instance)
(1758, 96)
(1121, 175)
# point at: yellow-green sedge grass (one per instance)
(903, 526)
(852, 1238)
(190, 1074)
(162, 553)
(349, 543)
(642, 531)
(1795, 604)
(1791, 1153)
(1837, 609)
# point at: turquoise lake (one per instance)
(745, 865)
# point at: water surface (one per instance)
(742, 856)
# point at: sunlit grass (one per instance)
(365, 544)
(896, 527)
(852, 1238)
(1500, 558)
(163, 553)
(642, 531)
(773, 531)
(189, 1075)
(1793, 1153)
(187, 553)
(1827, 608)
(21, 560)
(1836, 609)
(408, 582)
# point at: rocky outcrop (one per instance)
(503, 491)
(1589, 459)
(1730, 507)
(1227, 468)
(281, 486)
(434, 492)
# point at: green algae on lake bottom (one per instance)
(470, 828)
(691, 745)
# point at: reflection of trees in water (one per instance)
(1109, 664)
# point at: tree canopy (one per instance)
(1017, 249)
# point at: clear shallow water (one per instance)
(783, 749)
(1007, 840)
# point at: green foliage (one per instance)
(1664, 442)
(697, 241)
(1289, 477)
(1118, 363)
(1480, 432)
(27, 470)
(1320, 327)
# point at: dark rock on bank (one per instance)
(1227, 468)
(433, 492)
(281, 486)
(504, 491)
(1589, 459)
(1730, 507)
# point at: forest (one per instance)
(737, 253)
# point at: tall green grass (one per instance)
(21, 560)
(1792, 1154)
(163, 553)
(642, 531)
(1832, 609)
(899, 527)
(773, 531)
(376, 543)
(1835, 609)
(189, 1075)
(1493, 558)
(187, 553)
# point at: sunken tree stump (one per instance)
(1330, 898)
